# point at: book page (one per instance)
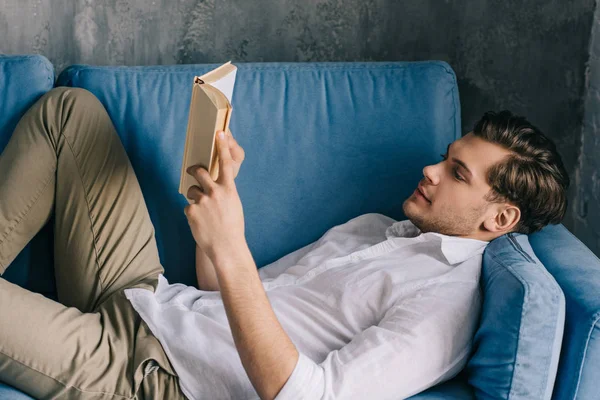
(225, 84)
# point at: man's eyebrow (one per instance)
(459, 162)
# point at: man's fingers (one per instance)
(202, 177)
(237, 152)
(194, 193)
(225, 160)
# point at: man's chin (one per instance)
(411, 212)
(410, 207)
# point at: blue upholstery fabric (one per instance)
(9, 393)
(324, 142)
(577, 271)
(23, 80)
(455, 389)
(517, 344)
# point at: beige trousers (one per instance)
(65, 157)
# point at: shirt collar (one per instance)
(455, 249)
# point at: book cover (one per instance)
(210, 112)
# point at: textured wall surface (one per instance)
(587, 203)
(529, 57)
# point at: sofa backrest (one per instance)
(23, 80)
(324, 142)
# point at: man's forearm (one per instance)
(266, 351)
(205, 272)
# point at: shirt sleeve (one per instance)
(421, 341)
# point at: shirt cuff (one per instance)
(305, 382)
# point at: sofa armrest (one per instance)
(577, 271)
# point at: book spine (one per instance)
(186, 147)
(222, 124)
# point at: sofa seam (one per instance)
(518, 248)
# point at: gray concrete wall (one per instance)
(529, 57)
(587, 203)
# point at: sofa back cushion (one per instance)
(517, 345)
(577, 270)
(324, 142)
(23, 80)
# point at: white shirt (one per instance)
(375, 308)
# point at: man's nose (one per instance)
(432, 174)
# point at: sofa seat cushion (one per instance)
(517, 345)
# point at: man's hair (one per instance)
(533, 177)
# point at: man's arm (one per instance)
(205, 271)
(266, 351)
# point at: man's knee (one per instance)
(68, 104)
(70, 111)
(72, 97)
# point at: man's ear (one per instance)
(504, 220)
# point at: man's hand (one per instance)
(237, 153)
(216, 218)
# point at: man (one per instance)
(375, 308)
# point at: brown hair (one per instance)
(532, 178)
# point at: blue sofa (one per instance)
(326, 142)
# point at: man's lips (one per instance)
(422, 192)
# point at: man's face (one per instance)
(454, 189)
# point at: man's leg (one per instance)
(66, 148)
(66, 156)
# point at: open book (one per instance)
(210, 111)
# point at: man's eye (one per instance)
(457, 176)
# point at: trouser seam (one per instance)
(59, 381)
(29, 208)
(89, 212)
